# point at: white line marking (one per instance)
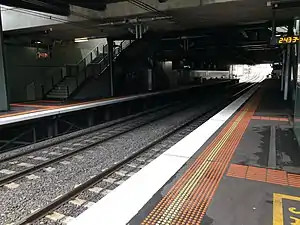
(127, 199)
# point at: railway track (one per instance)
(66, 207)
(25, 163)
(28, 163)
(109, 174)
(12, 154)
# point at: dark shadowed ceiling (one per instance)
(60, 7)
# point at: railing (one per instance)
(86, 68)
(57, 76)
(51, 79)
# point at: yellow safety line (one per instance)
(192, 182)
(191, 179)
(278, 207)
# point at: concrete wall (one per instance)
(172, 74)
(95, 88)
(23, 68)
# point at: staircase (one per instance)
(71, 76)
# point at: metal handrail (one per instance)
(91, 52)
(103, 63)
(82, 60)
(118, 53)
(82, 65)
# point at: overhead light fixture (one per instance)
(77, 40)
(36, 42)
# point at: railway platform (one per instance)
(32, 122)
(242, 166)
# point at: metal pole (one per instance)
(283, 69)
(288, 66)
(4, 106)
(140, 31)
(273, 24)
(137, 31)
(295, 58)
(111, 66)
(287, 72)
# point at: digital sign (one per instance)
(43, 55)
(288, 40)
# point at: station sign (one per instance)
(286, 40)
(43, 55)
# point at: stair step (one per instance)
(56, 97)
(58, 91)
(70, 82)
(65, 87)
(58, 94)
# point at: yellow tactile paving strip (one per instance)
(187, 201)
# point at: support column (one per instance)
(230, 71)
(283, 69)
(4, 106)
(110, 44)
(91, 118)
(150, 79)
(287, 77)
(295, 69)
(297, 51)
(287, 74)
(295, 58)
(55, 126)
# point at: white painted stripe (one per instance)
(124, 202)
(51, 112)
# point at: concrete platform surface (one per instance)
(259, 184)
